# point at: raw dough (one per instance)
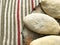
(47, 40)
(51, 7)
(41, 23)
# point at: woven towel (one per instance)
(11, 15)
(9, 22)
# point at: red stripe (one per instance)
(18, 22)
(32, 4)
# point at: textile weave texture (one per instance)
(12, 13)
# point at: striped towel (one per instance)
(11, 15)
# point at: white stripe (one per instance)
(27, 6)
(34, 3)
(30, 6)
(8, 41)
(20, 24)
(0, 15)
(23, 8)
(16, 23)
(12, 41)
(20, 13)
(37, 2)
(5, 23)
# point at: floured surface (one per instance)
(29, 36)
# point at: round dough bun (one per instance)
(41, 23)
(51, 7)
(47, 40)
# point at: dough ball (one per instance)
(51, 7)
(41, 23)
(47, 40)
